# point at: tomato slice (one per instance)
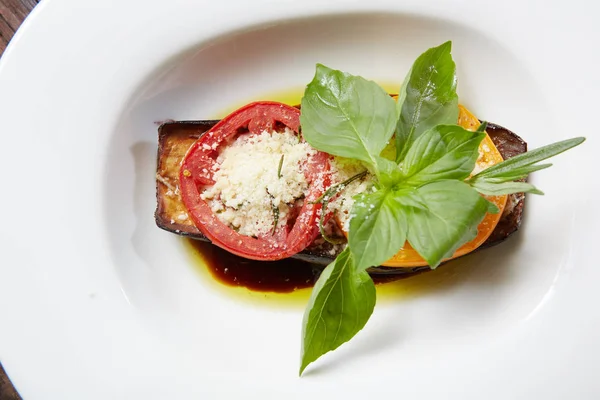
(197, 170)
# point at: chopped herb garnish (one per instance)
(279, 175)
(275, 209)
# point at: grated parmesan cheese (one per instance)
(343, 169)
(483, 160)
(247, 186)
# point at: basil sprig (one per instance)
(424, 197)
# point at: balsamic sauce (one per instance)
(283, 276)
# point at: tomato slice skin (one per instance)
(196, 172)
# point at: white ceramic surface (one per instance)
(98, 303)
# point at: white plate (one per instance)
(98, 303)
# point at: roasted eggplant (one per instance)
(175, 138)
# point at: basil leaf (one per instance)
(347, 115)
(427, 97)
(454, 210)
(507, 167)
(409, 197)
(339, 307)
(390, 173)
(492, 208)
(443, 152)
(497, 189)
(377, 228)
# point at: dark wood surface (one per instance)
(12, 14)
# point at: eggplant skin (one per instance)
(175, 138)
(509, 145)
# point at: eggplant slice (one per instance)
(175, 138)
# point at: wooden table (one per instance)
(12, 14)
